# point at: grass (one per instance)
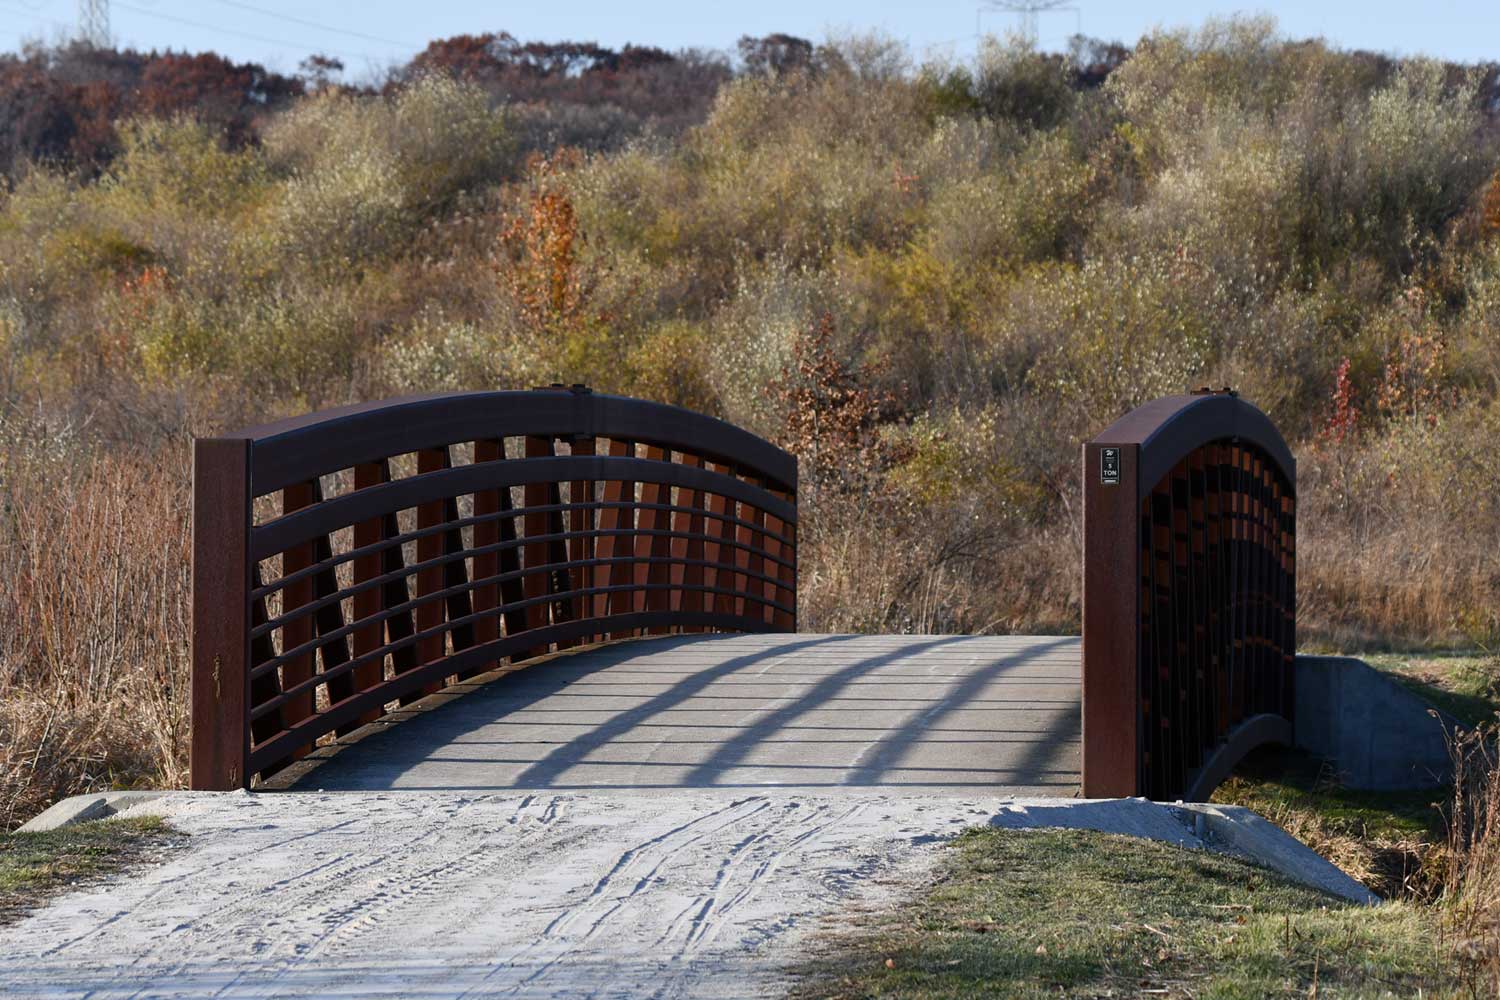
(1465, 685)
(34, 867)
(1383, 839)
(1393, 842)
(1082, 914)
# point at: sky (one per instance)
(370, 34)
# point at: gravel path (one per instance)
(662, 818)
(409, 894)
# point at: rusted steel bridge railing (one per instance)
(352, 559)
(1189, 596)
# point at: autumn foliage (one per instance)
(60, 106)
(932, 280)
(541, 244)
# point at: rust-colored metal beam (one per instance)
(1112, 601)
(221, 614)
(1189, 585)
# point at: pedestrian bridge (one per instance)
(562, 589)
(961, 714)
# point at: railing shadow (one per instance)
(770, 739)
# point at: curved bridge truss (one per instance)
(353, 559)
(1189, 596)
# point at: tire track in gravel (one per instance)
(401, 886)
(295, 894)
(662, 848)
(562, 894)
(159, 889)
(732, 861)
(708, 928)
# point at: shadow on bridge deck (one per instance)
(935, 713)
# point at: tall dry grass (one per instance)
(94, 587)
(1472, 880)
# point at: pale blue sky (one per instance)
(373, 33)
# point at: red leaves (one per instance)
(1344, 420)
(61, 105)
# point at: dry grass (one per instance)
(987, 287)
(94, 592)
(1441, 859)
(868, 566)
(1389, 841)
(1472, 880)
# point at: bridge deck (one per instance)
(960, 713)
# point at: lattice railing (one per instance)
(1189, 595)
(353, 560)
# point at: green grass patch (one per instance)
(37, 866)
(1274, 780)
(1383, 839)
(1081, 914)
(1465, 685)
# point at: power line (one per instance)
(241, 34)
(314, 24)
(23, 10)
(21, 36)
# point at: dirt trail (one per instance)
(447, 896)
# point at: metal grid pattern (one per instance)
(361, 558)
(1189, 595)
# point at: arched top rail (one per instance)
(1169, 429)
(302, 448)
(357, 559)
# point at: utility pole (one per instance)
(93, 23)
(1027, 11)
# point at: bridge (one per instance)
(565, 589)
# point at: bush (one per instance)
(93, 670)
(364, 173)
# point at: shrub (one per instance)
(1017, 82)
(364, 173)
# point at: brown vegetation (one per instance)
(936, 281)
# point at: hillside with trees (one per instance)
(933, 280)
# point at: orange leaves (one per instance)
(146, 286)
(1415, 381)
(544, 243)
(1344, 420)
(140, 297)
(1489, 210)
(541, 245)
(1414, 376)
(832, 407)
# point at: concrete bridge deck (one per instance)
(944, 714)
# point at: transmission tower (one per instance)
(1026, 12)
(93, 23)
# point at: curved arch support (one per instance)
(1189, 590)
(1257, 731)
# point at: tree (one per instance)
(776, 55)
